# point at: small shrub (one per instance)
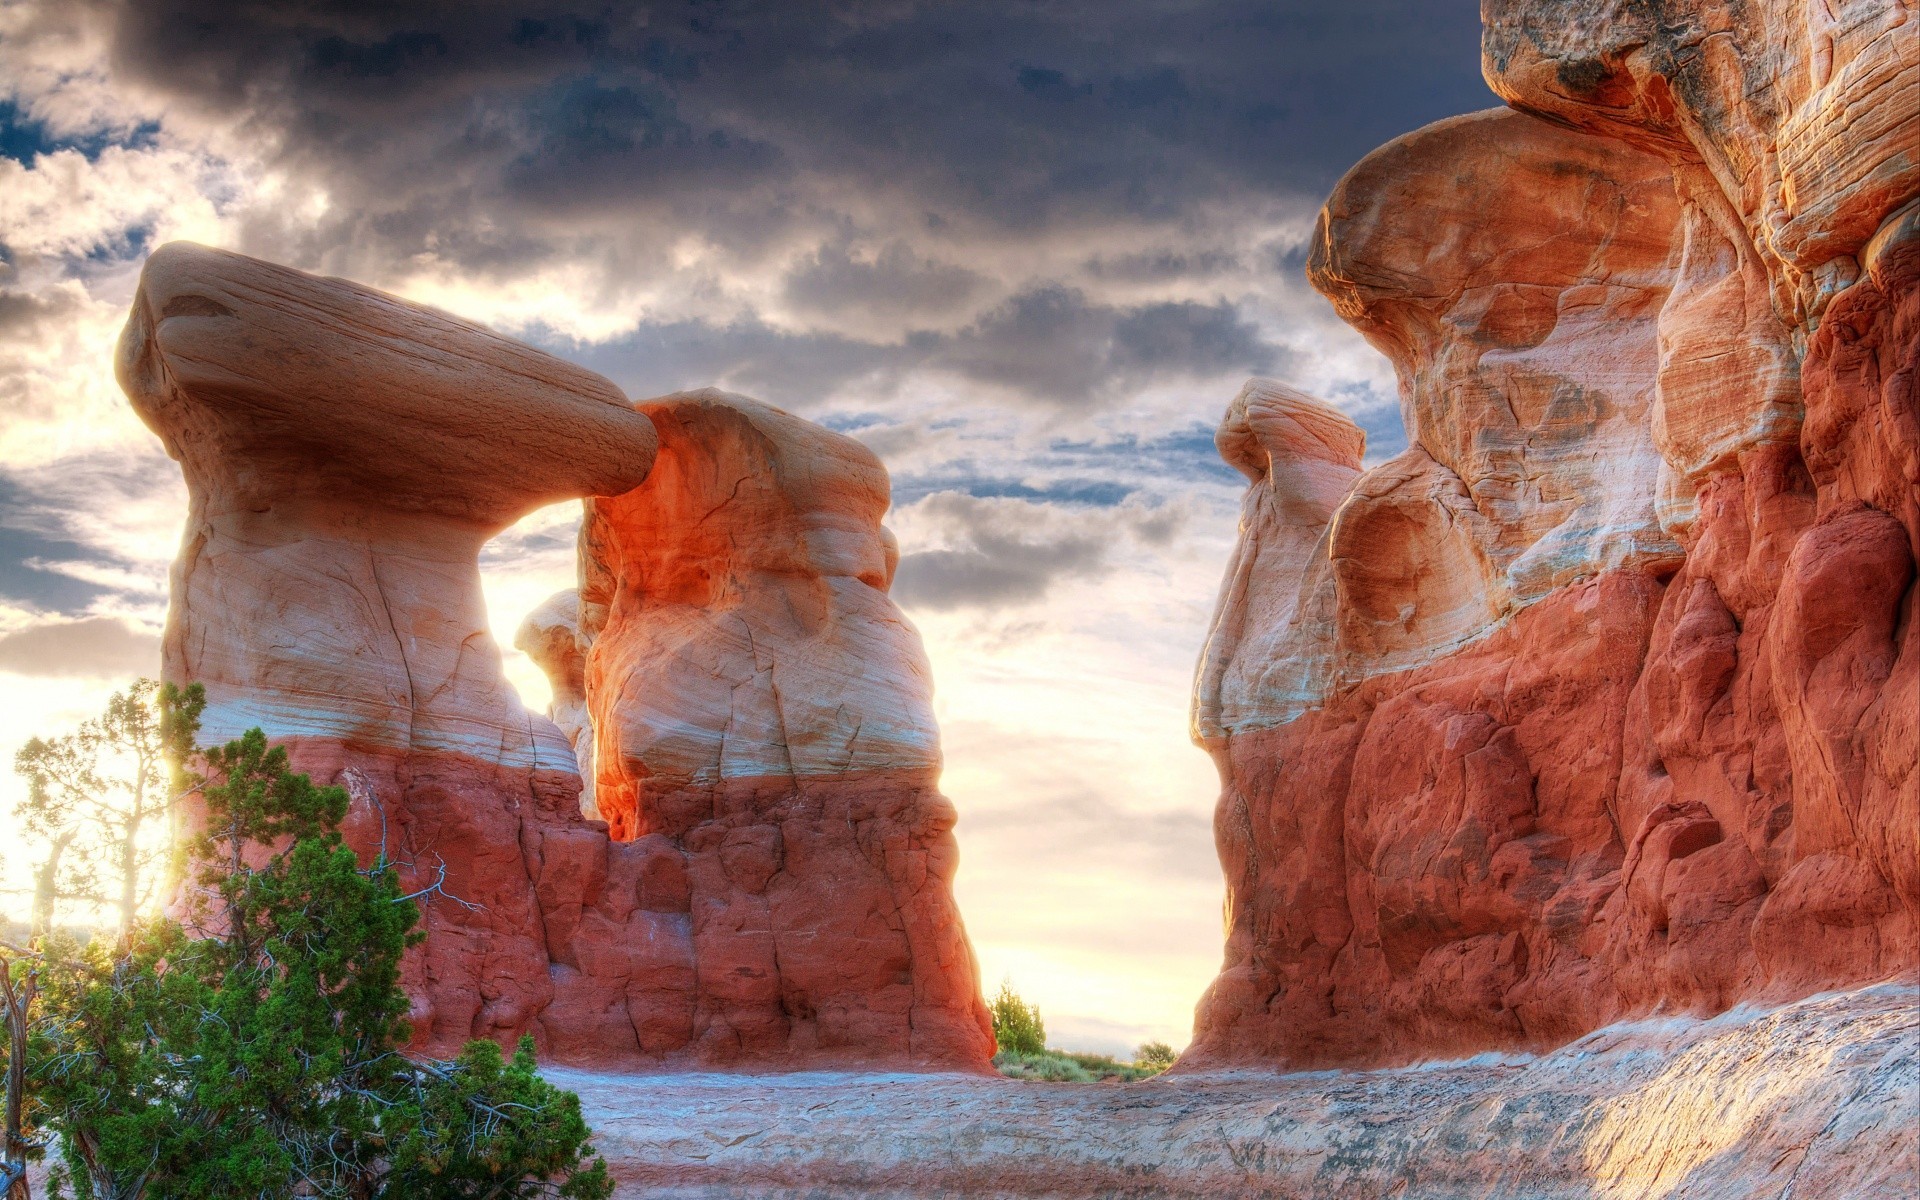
(1016, 1024)
(1156, 1055)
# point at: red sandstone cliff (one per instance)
(1605, 696)
(346, 456)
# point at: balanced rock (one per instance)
(1269, 650)
(346, 456)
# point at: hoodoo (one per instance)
(347, 454)
(762, 719)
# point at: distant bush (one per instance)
(1157, 1055)
(1043, 1067)
(1059, 1066)
(1016, 1024)
(1023, 1052)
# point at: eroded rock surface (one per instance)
(763, 731)
(347, 455)
(1270, 651)
(1815, 1099)
(550, 636)
(1619, 667)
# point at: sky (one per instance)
(1026, 251)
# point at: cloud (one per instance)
(734, 142)
(1049, 349)
(94, 647)
(1050, 346)
(1176, 843)
(885, 289)
(25, 314)
(999, 552)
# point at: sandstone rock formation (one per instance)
(347, 455)
(762, 720)
(1612, 680)
(1269, 653)
(550, 636)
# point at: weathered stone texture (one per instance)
(1619, 698)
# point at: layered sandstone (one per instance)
(762, 710)
(1622, 665)
(347, 455)
(1269, 653)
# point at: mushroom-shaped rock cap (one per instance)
(1489, 218)
(1270, 423)
(739, 613)
(746, 487)
(283, 383)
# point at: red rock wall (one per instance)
(1672, 783)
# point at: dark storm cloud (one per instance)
(894, 282)
(1000, 551)
(94, 647)
(743, 119)
(1050, 347)
(791, 370)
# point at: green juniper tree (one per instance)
(1016, 1024)
(254, 1052)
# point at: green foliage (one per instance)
(1016, 1024)
(1157, 1055)
(1060, 1066)
(254, 1052)
(489, 1115)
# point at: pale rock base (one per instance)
(1817, 1098)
